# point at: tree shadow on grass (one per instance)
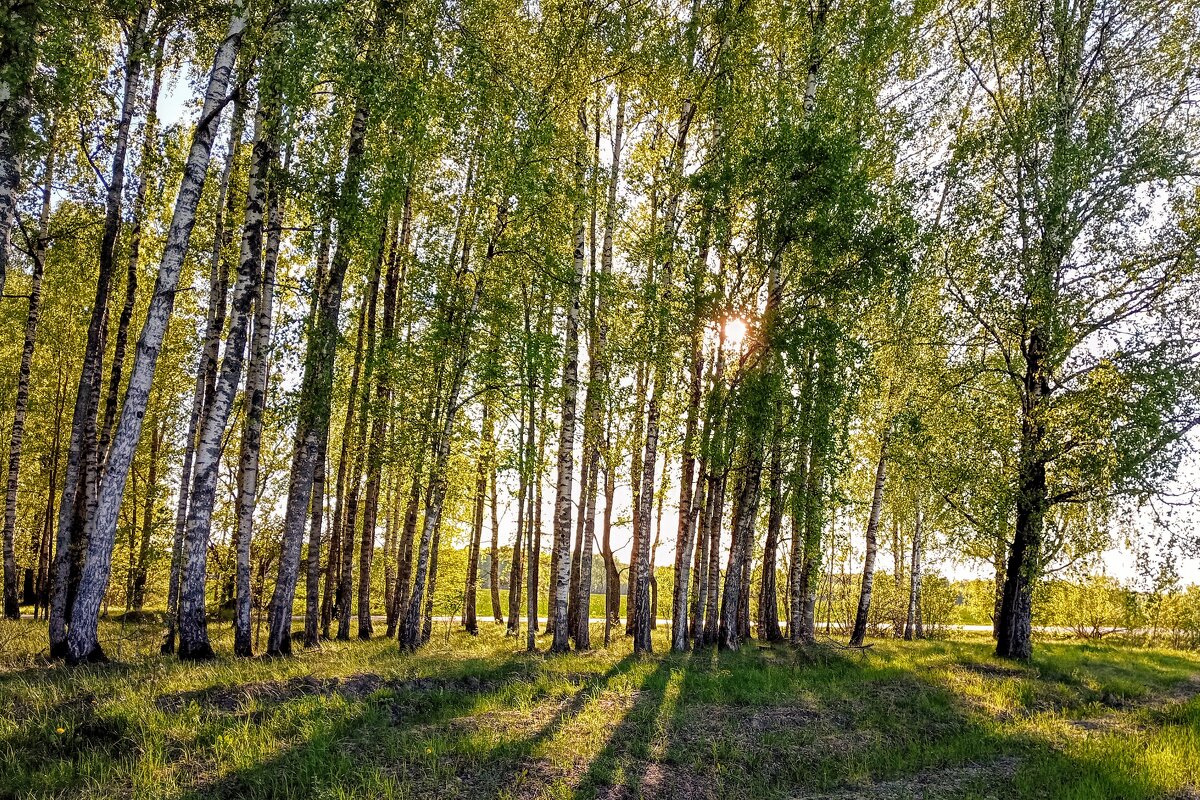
(760, 723)
(401, 740)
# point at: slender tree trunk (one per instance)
(193, 626)
(999, 567)
(349, 468)
(662, 494)
(612, 578)
(82, 642)
(82, 475)
(577, 550)
(635, 490)
(534, 515)
(868, 579)
(494, 551)
(312, 424)
(481, 484)
(412, 632)
(684, 539)
(768, 599)
(561, 575)
(391, 531)
(367, 541)
(912, 627)
(338, 535)
(381, 363)
(641, 558)
(427, 623)
(799, 479)
(701, 509)
(744, 511)
(897, 579)
(314, 602)
(256, 391)
(141, 563)
(45, 548)
(17, 438)
(712, 620)
(149, 157)
(202, 394)
(524, 467)
(404, 562)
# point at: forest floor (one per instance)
(469, 717)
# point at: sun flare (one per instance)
(735, 331)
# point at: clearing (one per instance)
(469, 717)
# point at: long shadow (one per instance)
(624, 759)
(380, 745)
(765, 723)
(512, 763)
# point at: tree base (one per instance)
(95, 655)
(199, 652)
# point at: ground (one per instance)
(471, 717)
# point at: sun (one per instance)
(735, 331)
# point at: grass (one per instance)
(469, 717)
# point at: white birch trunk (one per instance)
(82, 641)
(560, 596)
(16, 440)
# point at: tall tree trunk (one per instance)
(745, 509)
(701, 509)
(149, 157)
(999, 567)
(412, 631)
(256, 392)
(561, 576)
(314, 602)
(391, 530)
(799, 479)
(312, 424)
(768, 598)
(897, 579)
(83, 467)
(868, 579)
(641, 557)
(600, 378)
(16, 440)
(404, 562)
(524, 469)
(912, 627)
(1015, 639)
(349, 469)
(494, 551)
(612, 578)
(193, 626)
(470, 622)
(205, 377)
(381, 360)
(45, 546)
(427, 622)
(635, 490)
(684, 539)
(536, 504)
(141, 563)
(339, 536)
(346, 584)
(82, 642)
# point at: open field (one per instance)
(471, 718)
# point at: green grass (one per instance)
(471, 717)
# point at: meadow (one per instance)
(472, 717)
